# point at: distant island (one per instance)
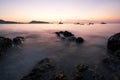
(38, 22)
(9, 22)
(13, 22)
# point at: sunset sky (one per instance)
(56, 10)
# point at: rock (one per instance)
(58, 34)
(106, 60)
(114, 42)
(79, 40)
(84, 73)
(40, 69)
(5, 43)
(72, 38)
(117, 53)
(82, 67)
(18, 40)
(59, 76)
(115, 76)
(64, 34)
(67, 34)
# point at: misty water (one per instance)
(41, 42)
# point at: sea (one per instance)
(41, 42)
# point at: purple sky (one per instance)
(56, 10)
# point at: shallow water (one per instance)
(41, 42)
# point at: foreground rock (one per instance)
(112, 63)
(69, 36)
(43, 67)
(84, 73)
(59, 76)
(114, 42)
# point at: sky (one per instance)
(57, 10)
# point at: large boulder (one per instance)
(40, 70)
(114, 42)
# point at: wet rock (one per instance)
(57, 33)
(114, 42)
(64, 34)
(79, 40)
(18, 40)
(84, 73)
(5, 43)
(67, 34)
(112, 63)
(117, 53)
(116, 76)
(106, 60)
(82, 67)
(59, 76)
(40, 69)
(71, 38)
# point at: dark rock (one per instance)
(72, 38)
(64, 34)
(116, 76)
(79, 40)
(18, 40)
(84, 73)
(106, 60)
(117, 53)
(67, 34)
(59, 76)
(5, 43)
(58, 34)
(114, 42)
(112, 63)
(40, 69)
(82, 67)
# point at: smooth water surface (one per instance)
(41, 42)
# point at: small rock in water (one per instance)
(69, 36)
(79, 40)
(18, 40)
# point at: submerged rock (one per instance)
(114, 42)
